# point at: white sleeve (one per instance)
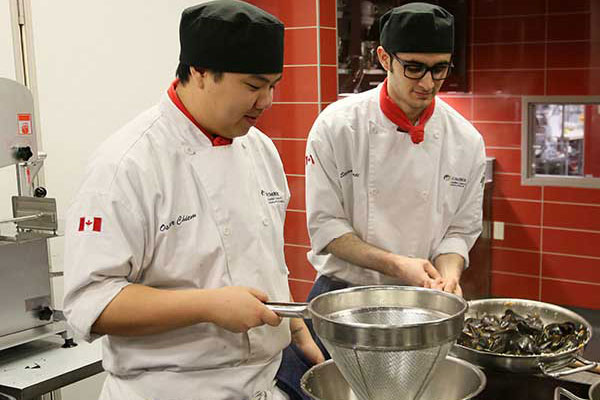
(326, 218)
(104, 251)
(466, 225)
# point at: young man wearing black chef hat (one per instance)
(394, 175)
(175, 238)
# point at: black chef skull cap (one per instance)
(417, 28)
(231, 36)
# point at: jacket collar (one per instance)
(215, 139)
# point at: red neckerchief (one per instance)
(395, 114)
(216, 140)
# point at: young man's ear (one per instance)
(198, 77)
(384, 58)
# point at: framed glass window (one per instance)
(561, 141)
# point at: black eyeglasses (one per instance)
(416, 70)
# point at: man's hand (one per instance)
(452, 286)
(449, 285)
(451, 267)
(239, 309)
(304, 341)
(415, 271)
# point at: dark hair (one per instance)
(183, 73)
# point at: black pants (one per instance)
(294, 364)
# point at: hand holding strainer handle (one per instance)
(289, 310)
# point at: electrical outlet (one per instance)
(498, 230)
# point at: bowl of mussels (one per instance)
(524, 336)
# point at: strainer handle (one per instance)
(290, 310)
(564, 392)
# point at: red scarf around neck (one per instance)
(216, 140)
(395, 114)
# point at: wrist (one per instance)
(395, 265)
(450, 271)
(299, 330)
(391, 264)
(450, 265)
(205, 308)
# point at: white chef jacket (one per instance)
(160, 206)
(363, 176)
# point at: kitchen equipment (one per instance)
(368, 50)
(552, 364)
(454, 379)
(25, 293)
(384, 339)
(594, 393)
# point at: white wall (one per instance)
(97, 64)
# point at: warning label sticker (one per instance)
(24, 124)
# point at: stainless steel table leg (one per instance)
(55, 395)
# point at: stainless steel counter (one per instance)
(33, 369)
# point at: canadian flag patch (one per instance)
(90, 224)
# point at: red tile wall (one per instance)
(309, 84)
(551, 249)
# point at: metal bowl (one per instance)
(454, 379)
(551, 364)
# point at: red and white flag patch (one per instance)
(90, 224)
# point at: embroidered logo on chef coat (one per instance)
(309, 159)
(272, 197)
(349, 172)
(176, 222)
(87, 224)
(455, 181)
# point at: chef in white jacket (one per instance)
(394, 175)
(175, 238)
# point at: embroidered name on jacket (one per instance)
(177, 222)
(456, 181)
(273, 197)
(346, 173)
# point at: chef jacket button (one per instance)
(226, 231)
(243, 145)
(374, 192)
(265, 222)
(424, 193)
(189, 151)
(436, 135)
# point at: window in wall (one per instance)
(561, 141)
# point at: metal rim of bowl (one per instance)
(472, 367)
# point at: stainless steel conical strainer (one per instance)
(385, 340)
